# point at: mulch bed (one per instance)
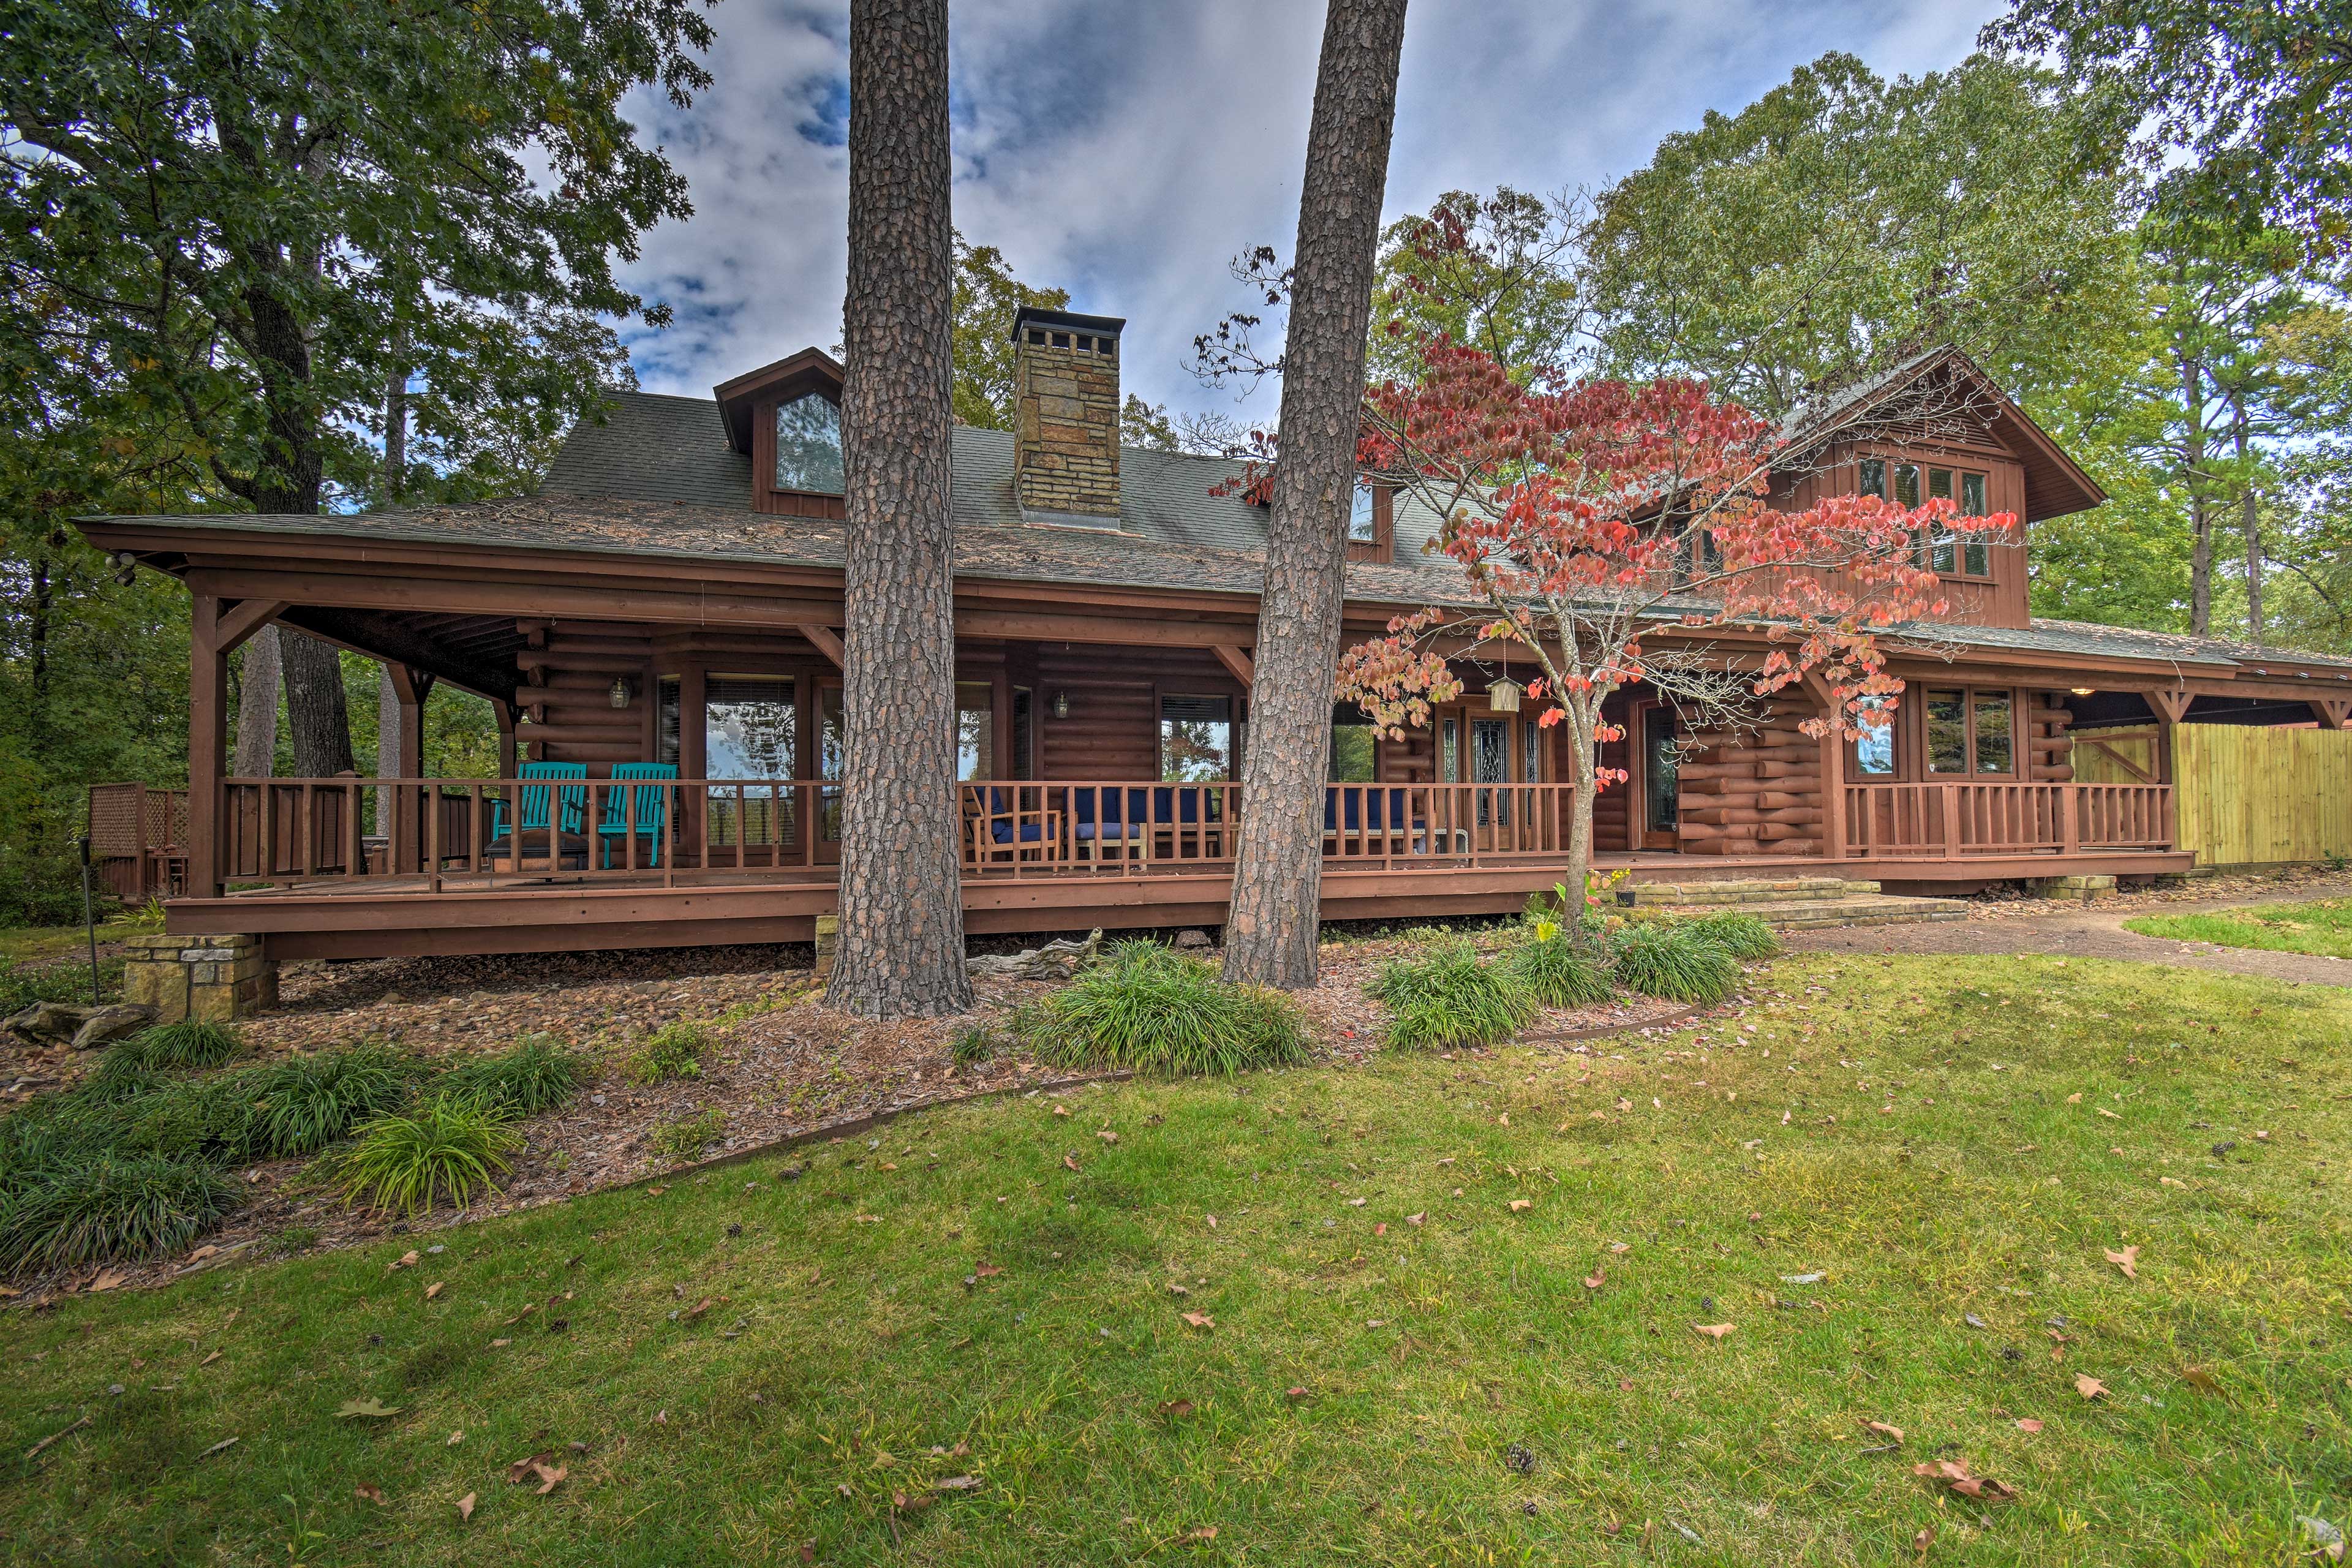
(785, 1068)
(2251, 887)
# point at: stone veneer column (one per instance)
(207, 979)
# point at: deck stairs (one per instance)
(1794, 904)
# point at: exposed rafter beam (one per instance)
(387, 635)
(2172, 705)
(1235, 660)
(246, 618)
(827, 641)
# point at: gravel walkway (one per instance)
(2096, 931)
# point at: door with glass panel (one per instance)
(751, 742)
(1478, 746)
(1659, 806)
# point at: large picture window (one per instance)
(1352, 741)
(1942, 552)
(750, 729)
(1970, 733)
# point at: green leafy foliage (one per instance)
(536, 1075)
(1672, 959)
(112, 1208)
(674, 1050)
(973, 1044)
(306, 1102)
(1151, 1008)
(686, 1138)
(1557, 971)
(447, 1149)
(1745, 937)
(1450, 999)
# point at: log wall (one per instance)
(1755, 791)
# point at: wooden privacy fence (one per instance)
(2243, 794)
(139, 840)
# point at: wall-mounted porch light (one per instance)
(1061, 705)
(621, 691)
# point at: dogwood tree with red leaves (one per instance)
(1622, 532)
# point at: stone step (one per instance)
(1647, 895)
(1811, 914)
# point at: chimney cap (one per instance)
(1070, 320)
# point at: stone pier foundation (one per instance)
(209, 979)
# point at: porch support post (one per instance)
(1833, 765)
(410, 689)
(506, 717)
(207, 734)
(694, 760)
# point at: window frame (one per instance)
(1909, 739)
(1881, 474)
(1382, 545)
(1233, 722)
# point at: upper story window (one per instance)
(1943, 552)
(808, 445)
(1362, 528)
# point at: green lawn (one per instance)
(28, 944)
(740, 1392)
(2323, 928)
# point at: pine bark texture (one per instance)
(1275, 918)
(901, 944)
(256, 707)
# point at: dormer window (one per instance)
(1362, 528)
(808, 445)
(1942, 552)
(1371, 522)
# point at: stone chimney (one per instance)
(1066, 431)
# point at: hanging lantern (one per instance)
(1061, 705)
(620, 691)
(1504, 695)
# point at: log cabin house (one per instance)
(661, 626)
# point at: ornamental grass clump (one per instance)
(1153, 1009)
(183, 1046)
(1556, 969)
(674, 1050)
(1673, 960)
(536, 1075)
(449, 1148)
(304, 1103)
(1745, 937)
(1450, 999)
(110, 1209)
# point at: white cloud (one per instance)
(1127, 149)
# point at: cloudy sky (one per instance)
(1125, 150)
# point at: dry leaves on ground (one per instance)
(2127, 1260)
(1715, 1331)
(1955, 1474)
(2089, 1387)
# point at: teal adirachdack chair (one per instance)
(635, 813)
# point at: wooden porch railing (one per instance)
(1957, 821)
(300, 830)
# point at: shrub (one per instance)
(210, 1123)
(536, 1075)
(111, 1209)
(1156, 1010)
(674, 1050)
(1742, 936)
(973, 1043)
(180, 1045)
(449, 1147)
(1449, 999)
(685, 1138)
(1557, 972)
(304, 1103)
(1675, 959)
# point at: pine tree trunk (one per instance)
(901, 944)
(256, 707)
(2200, 520)
(1275, 918)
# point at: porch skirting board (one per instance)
(339, 923)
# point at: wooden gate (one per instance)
(2244, 795)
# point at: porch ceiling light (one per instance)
(1504, 695)
(2084, 691)
(621, 691)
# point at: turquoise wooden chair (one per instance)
(543, 808)
(635, 813)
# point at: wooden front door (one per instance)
(1657, 808)
(1480, 746)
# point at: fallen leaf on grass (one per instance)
(465, 1507)
(2200, 1378)
(454, 1438)
(1212, 1221)
(1070, 1162)
(2089, 1387)
(1924, 1540)
(107, 1280)
(2028, 1424)
(405, 1260)
(1205, 1532)
(1594, 1280)
(2074, 1098)
(2108, 1114)
(1107, 1136)
(210, 1359)
(2126, 1260)
(520, 1471)
(1293, 1395)
(1892, 1433)
(1416, 1219)
(433, 1290)
(1621, 1247)
(988, 1271)
(1518, 1203)
(958, 1483)
(217, 1448)
(1176, 1409)
(1715, 1331)
(1200, 1320)
(371, 1406)
(1061, 1110)
(549, 1479)
(1954, 1473)
(369, 1494)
